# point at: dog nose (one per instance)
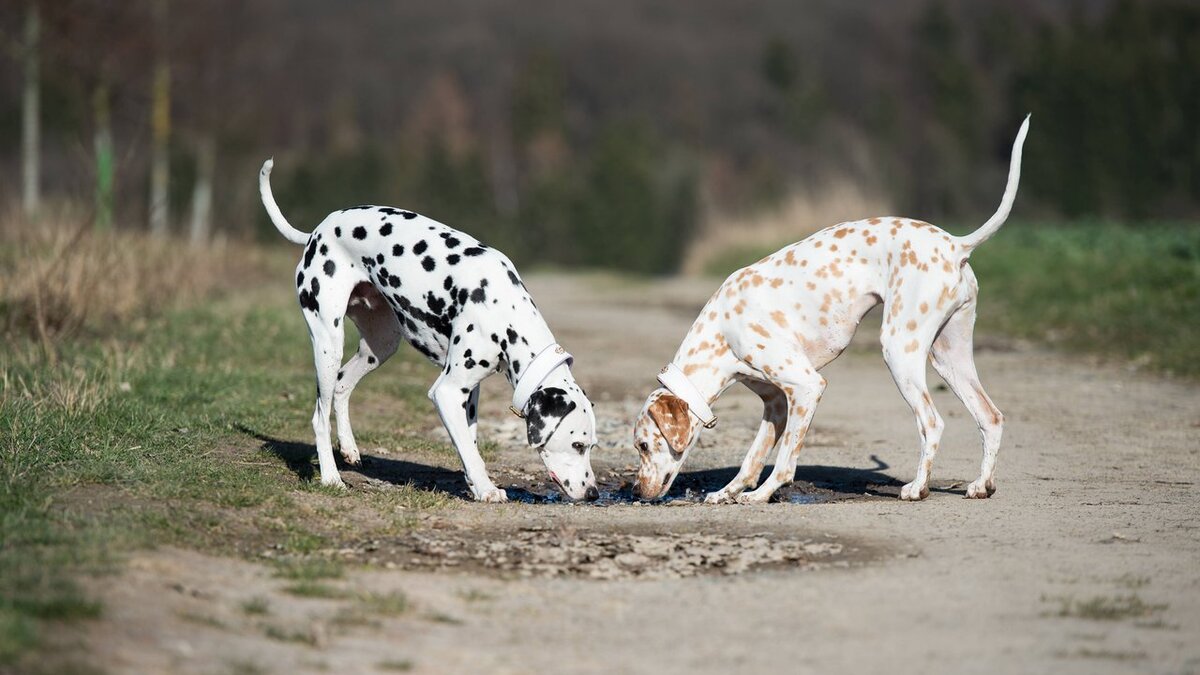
(592, 494)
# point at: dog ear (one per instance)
(673, 417)
(544, 412)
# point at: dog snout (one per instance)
(592, 494)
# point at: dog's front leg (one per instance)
(803, 391)
(769, 432)
(452, 398)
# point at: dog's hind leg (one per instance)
(953, 358)
(769, 431)
(907, 338)
(802, 386)
(380, 335)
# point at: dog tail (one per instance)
(264, 189)
(971, 241)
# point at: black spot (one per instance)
(436, 305)
(408, 215)
(336, 321)
(420, 247)
(448, 283)
(428, 264)
(330, 268)
(452, 242)
(484, 363)
(397, 250)
(516, 366)
(360, 232)
(308, 296)
(299, 278)
(471, 411)
(495, 338)
(457, 339)
(469, 363)
(453, 258)
(310, 252)
(379, 258)
(473, 251)
(462, 296)
(340, 373)
(368, 262)
(337, 231)
(512, 276)
(360, 207)
(544, 412)
(478, 295)
(512, 334)
(324, 249)
(470, 327)
(385, 230)
(371, 360)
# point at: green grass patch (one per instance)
(1124, 291)
(189, 429)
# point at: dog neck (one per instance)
(707, 362)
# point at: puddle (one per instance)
(556, 553)
(617, 489)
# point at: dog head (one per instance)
(664, 433)
(561, 426)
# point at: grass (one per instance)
(1132, 293)
(188, 426)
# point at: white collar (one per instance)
(678, 384)
(546, 362)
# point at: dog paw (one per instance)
(719, 497)
(981, 489)
(334, 481)
(914, 493)
(754, 497)
(492, 496)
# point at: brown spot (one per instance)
(924, 307)
(819, 244)
(779, 318)
(912, 325)
(911, 347)
(776, 282)
(790, 258)
(873, 221)
(760, 330)
(842, 233)
(833, 247)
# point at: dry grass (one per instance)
(804, 212)
(59, 278)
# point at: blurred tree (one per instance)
(948, 82)
(799, 94)
(160, 124)
(31, 112)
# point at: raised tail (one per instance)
(969, 242)
(264, 190)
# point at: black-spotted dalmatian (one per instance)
(462, 304)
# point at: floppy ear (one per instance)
(673, 418)
(544, 412)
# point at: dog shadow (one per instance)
(841, 481)
(298, 457)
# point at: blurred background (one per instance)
(636, 136)
(597, 133)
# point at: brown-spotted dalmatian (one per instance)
(398, 275)
(774, 324)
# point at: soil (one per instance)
(1087, 559)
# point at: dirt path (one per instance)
(1086, 560)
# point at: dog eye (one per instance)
(580, 446)
(643, 447)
